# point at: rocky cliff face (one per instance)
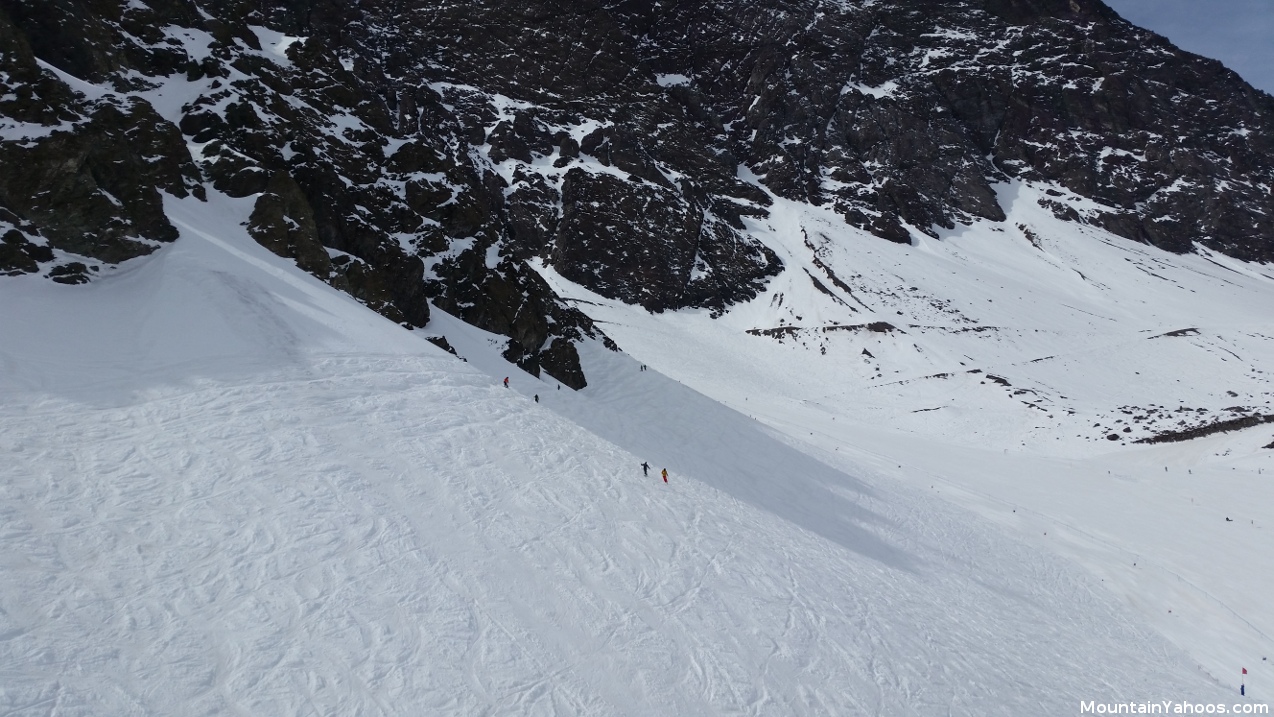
(415, 152)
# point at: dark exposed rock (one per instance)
(18, 255)
(633, 242)
(568, 148)
(71, 273)
(1178, 332)
(414, 157)
(28, 93)
(729, 267)
(71, 35)
(86, 173)
(95, 190)
(487, 287)
(644, 243)
(1232, 424)
(879, 327)
(561, 361)
(283, 222)
(533, 220)
(778, 332)
(914, 109)
(519, 139)
(442, 343)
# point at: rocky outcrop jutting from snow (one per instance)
(417, 152)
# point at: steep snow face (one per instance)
(229, 488)
(1012, 367)
(207, 308)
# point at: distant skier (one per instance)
(506, 381)
(645, 468)
(537, 398)
(665, 474)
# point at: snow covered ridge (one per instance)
(228, 487)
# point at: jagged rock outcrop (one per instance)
(909, 112)
(81, 174)
(414, 152)
(18, 255)
(619, 183)
(283, 222)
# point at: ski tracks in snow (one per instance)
(392, 536)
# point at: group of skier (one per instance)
(645, 467)
(645, 470)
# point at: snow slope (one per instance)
(228, 489)
(1014, 352)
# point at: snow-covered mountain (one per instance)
(950, 322)
(229, 488)
(418, 152)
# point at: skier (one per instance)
(506, 381)
(645, 468)
(537, 398)
(665, 474)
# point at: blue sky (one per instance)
(1239, 33)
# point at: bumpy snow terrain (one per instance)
(230, 489)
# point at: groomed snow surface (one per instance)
(228, 489)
